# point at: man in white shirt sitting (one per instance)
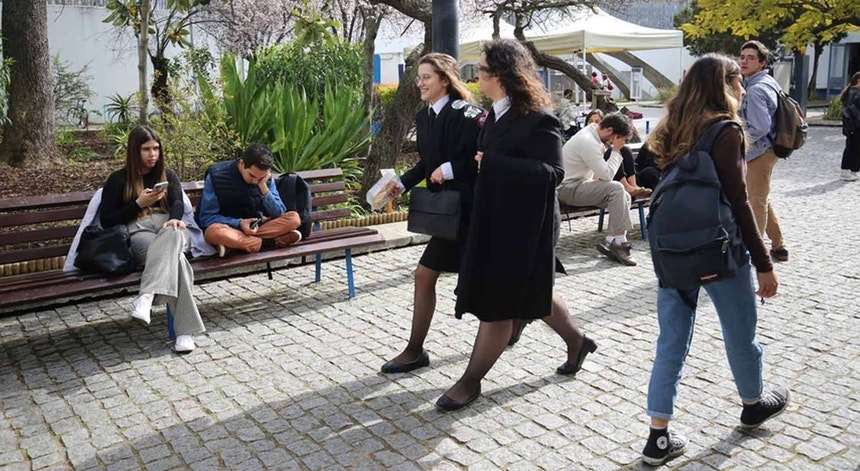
(588, 180)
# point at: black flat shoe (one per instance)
(446, 404)
(517, 331)
(588, 346)
(420, 362)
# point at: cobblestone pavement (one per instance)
(287, 375)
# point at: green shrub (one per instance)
(70, 87)
(834, 109)
(303, 132)
(481, 100)
(339, 62)
(67, 141)
(385, 94)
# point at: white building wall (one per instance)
(389, 67)
(79, 37)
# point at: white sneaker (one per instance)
(848, 175)
(141, 307)
(184, 344)
(222, 251)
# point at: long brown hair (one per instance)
(855, 79)
(516, 70)
(704, 97)
(134, 165)
(447, 68)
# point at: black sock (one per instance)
(268, 244)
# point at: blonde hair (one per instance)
(704, 97)
(447, 68)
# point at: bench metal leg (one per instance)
(600, 220)
(642, 223)
(318, 257)
(171, 333)
(350, 281)
(269, 270)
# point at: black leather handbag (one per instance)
(435, 213)
(106, 251)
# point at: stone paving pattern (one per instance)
(287, 375)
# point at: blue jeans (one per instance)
(734, 300)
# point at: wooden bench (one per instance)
(639, 203)
(36, 232)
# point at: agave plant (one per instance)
(302, 134)
(303, 140)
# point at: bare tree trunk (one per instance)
(811, 92)
(651, 74)
(613, 73)
(29, 135)
(397, 121)
(372, 16)
(142, 56)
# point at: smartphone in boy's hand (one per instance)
(257, 223)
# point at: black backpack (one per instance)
(296, 195)
(691, 228)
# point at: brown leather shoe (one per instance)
(640, 192)
(618, 252)
(780, 255)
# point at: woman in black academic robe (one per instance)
(447, 140)
(508, 268)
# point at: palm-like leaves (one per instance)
(281, 115)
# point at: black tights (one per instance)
(492, 339)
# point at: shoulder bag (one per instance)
(435, 213)
(106, 251)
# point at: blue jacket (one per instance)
(757, 110)
(227, 199)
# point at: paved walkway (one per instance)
(287, 376)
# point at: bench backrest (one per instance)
(39, 229)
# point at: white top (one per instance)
(501, 107)
(583, 157)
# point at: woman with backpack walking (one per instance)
(850, 98)
(710, 94)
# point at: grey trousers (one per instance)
(610, 196)
(167, 272)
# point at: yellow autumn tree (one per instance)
(802, 23)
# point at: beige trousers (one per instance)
(759, 173)
(610, 196)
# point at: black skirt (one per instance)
(442, 255)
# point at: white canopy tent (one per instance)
(589, 31)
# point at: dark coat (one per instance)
(508, 268)
(450, 137)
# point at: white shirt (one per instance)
(501, 106)
(583, 157)
(437, 107)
